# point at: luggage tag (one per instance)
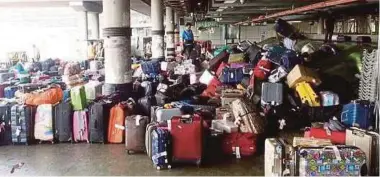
(138, 118)
(237, 152)
(119, 127)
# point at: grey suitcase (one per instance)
(279, 159)
(162, 115)
(271, 93)
(135, 128)
(63, 122)
(5, 76)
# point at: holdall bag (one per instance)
(78, 98)
(330, 161)
(336, 137)
(307, 94)
(187, 137)
(217, 60)
(161, 147)
(116, 123)
(278, 158)
(239, 144)
(262, 69)
(49, 96)
(22, 124)
(43, 126)
(272, 93)
(6, 134)
(63, 122)
(135, 127)
(329, 98)
(231, 75)
(80, 126)
(247, 118)
(236, 58)
(358, 114)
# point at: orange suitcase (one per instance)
(116, 123)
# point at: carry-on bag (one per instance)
(135, 127)
(278, 158)
(43, 125)
(246, 117)
(116, 123)
(6, 134)
(80, 126)
(271, 93)
(63, 122)
(187, 138)
(162, 114)
(22, 124)
(161, 148)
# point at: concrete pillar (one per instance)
(176, 29)
(320, 26)
(157, 30)
(83, 34)
(93, 25)
(170, 47)
(117, 47)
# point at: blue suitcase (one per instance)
(232, 75)
(161, 148)
(151, 68)
(358, 114)
(9, 92)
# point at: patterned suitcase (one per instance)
(358, 114)
(80, 126)
(63, 122)
(161, 148)
(43, 126)
(22, 123)
(271, 93)
(278, 158)
(247, 118)
(5, 126)
(330, 161)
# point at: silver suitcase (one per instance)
(160, 114)
(279, 158)
(271, 93)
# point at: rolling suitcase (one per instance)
(271, 93)
(330, 161)
(278, 158)
(329, 98)
(98, 120)
(247, 118)
(43, 125)
(78, 98)
(5, 126)
(217, 60)
(358, 114)
(187, 138)
(161, 148)
(369, 143)
(9, 92)
(116, 123)
(307, 94)
(162, 115)
(80, 126)
(135, 127)
(22, 123)
(63, 122)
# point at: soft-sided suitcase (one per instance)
(43, 125)
(22, 123)
(358, 114)
(217, 60)
(329, 98)
(278, 158)
(249, 120)
(135, 127)
(262, 69)
(78, 98)
(236, 58)
(368, 142)
(230, 95)
(336, 137)
(187, 138)
(364, 39)
(98, 120)
(93, 90)
(116, 123)
(63, 122)
(151, 68)
(161, 148)
(5, 126)
(343, 38)
(307, 94)
(239, 144)
(271, 93)
(232, 75)
(80, 126)
(9, 92)
(330, 161)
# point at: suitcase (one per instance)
(369, 143)
(6, 134)
(343, 38)
(116, 123)
(2, 89)
(27, 88)
(358, 114)
(224, 126)
(161, 148)
(249, 120)
(220, 68)
(145, 103)
(219, 112)
(364, 39)
(80, 126)
(321, 114)
(43, 125)
(22, 123)
(163, 115)
(93, 90)
(151, 68)
(187, 137)
(336, 137)
(211, 88)
(63, 122)
(254, 54)
(6, 76)
(239, 144)
(161, 98)
(330, 161)
(284, 28)
(310, 142)
(271, 93)
(329, 98)
(232, 75)
(135, 127)
(307, 94)
(98, 120)
(262, 69)
(278, 158)
(236, 58)
(217, 60)
(206, 78)
(78, 98)
(9, 92)
(230, 95)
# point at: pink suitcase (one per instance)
(80, 126)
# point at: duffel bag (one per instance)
(49, 96)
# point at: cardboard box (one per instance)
(302, 74)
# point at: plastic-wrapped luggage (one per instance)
(135, 127)
(43, 126)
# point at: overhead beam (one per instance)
(261, 3)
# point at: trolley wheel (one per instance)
(128, 152)
(169, 167)
(158, 168)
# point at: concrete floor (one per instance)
(98, 159)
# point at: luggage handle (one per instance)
(335, 150)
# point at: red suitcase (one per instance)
(336, 137)
(187, 139)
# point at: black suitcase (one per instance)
(63, 113)
(145, 103)
(254, 54)
(5, 127)
(161, 99)
(364, 39)
(98, 120)
(217, 60)
(343, 38)
(22, 123)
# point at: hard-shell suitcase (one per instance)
(329, 98)
(358, 114)
(162, 115)
(5, 126)
(232, 75)
(330, 161)
(343, 38)
(22, 123)
(187, 138)
(230, 95)
(249, 120)
(278, 158)
(369, 143)
(116, 123)
(9, 92)
(80, 126)
(93, 90)
(63, 122)
(364, 39)
(98, 120)
(307, 94)
(161, 148)
(217, 60)
(135, 127)
(78, 98)
(43, 125)
(271, 93)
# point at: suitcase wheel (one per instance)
(198, 163)
(158, 168)
(169, 167)
(128, 152)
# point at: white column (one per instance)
(157, 30)
(93, 25)
(117, 44)
(83, 34)
(176, 29)
(320, 26)
(170, 49)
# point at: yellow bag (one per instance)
(307, 94)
